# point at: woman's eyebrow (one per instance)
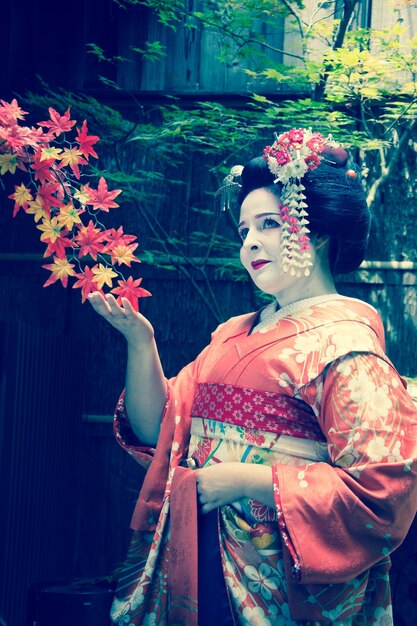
(260, 215)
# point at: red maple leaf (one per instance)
(130, 289)
(117, 237)
(59, 245)
(58, 123)
(85, 282)
(87, 141)
(89, 239)
(46, 192)
(102, 198)
(42, 169)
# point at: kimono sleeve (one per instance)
(127, 439)
(344, 516)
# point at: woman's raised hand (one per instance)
(137, 330)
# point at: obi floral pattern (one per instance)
(255, 409)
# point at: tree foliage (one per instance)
(357, 82)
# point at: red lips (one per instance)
(259, 263)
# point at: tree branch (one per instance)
(389, 169)
(348, 9)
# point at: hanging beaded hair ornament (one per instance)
(291, 156)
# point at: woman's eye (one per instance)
(243, 233)
(270, 223)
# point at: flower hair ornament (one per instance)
(291, 156)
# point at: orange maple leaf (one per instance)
(21, 197)
(68, 216)
(58, 123)
(73, 158)
(60, 269)
(130, 289)
(103, 275)
(36, 209)
(102, 198)
(122, 254)
(51, 229)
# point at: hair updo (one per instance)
(336, 207)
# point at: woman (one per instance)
(292, 426)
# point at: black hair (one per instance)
(336, 207)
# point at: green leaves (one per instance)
(152, 51)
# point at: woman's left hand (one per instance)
(220, 484)
(225, 483)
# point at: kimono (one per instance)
(314, 396)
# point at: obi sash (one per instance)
(259, 411)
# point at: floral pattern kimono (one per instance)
(313, 395)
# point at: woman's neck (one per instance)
(319, 283)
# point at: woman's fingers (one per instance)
(99, 303)
(107, 306)
(117, 311)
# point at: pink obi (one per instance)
(255, 409)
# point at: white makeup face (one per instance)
(259, 229)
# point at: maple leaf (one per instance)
(58, 123)
(8, 163)
(130, 289)
(21, 197)
(61, 270)
(51, 229)
(50, 153)
(86, 283)
(59, 246)
(11, 111)
(42, 168)
(17, 137)
(89, 239)
(103, 275)
(102, 198)
(73, 158)
(45, 192)
(81, 195)
(123, 254)
(68, 216)
(36, 209)
(116, 237)
(87, 141)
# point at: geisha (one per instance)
(281, 466)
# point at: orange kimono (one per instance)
(313, 395)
